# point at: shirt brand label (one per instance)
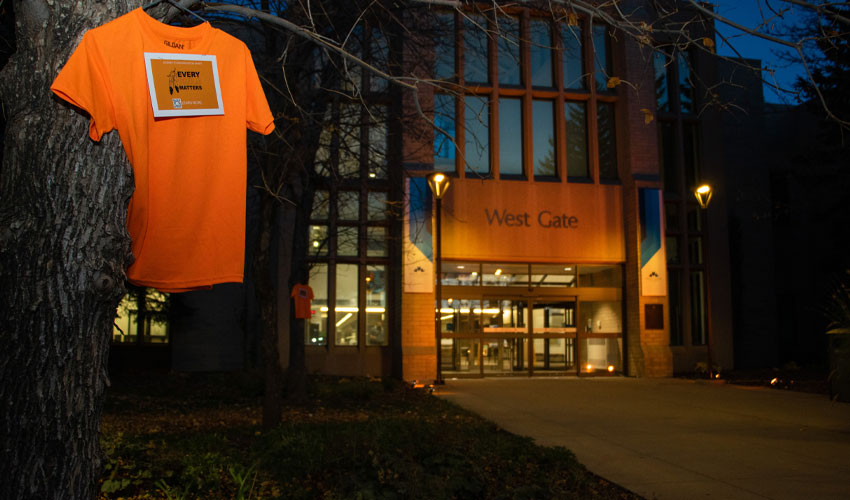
(174, 45)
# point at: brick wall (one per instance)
(649, 352)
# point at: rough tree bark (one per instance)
(63, 252)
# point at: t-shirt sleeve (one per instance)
(259, 117)
(82, 82)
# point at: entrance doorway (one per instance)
(504, 336)
(530, 319)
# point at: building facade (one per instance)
(571, 241)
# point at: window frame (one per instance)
(527, 93)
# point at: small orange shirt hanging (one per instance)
(181, 99)
(302, 295)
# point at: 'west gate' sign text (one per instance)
(545, 218)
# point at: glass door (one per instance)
(505, 332)
(554, 335)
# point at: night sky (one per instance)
(753, 13)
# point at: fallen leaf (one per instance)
(647, 116)
(613, 82)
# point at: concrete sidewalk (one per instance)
(678, 439)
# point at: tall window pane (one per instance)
(667, 155)
(444, 46)
(317, 326)
(691, 155)
(321, 205)
(697, 308)
(377, 123)
(662, 89)
(477, 140)
(576, 128)
(475, 49)
(319, 241)
(376, 242)
(379, 57)
(349, 139)
(541, 53)
(510, 139)
(571, 55)
(544, 155)
(607, 141)
(674, 297)
(345, 312)
(376, 306)
(376, 206)
(444, 119)
(508, 47)
(601, 56)
(348, 204)
(686, 87)
(346, 241)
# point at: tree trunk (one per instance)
(299, 273)
(63, 252)
(267, 299)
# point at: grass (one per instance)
(188, 437)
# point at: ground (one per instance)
(170, 436)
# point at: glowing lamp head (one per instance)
(439, 184)
(589, 367)
(703, 195)
(610, 368)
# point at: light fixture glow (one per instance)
(703, 194)
(439, 184)
(568, 269)
(315, 244)
(589, 367)
(498, 272)
(344, 319)
(611, 368)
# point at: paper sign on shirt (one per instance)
(183, 84)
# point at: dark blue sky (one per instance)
(752, 13)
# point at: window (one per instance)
(508, 49)
(571, 57)
(351, 217)
(142, 317)
(444, 135)
(662, 92)
(540, 50)
(607, 142)
(602, 59)
(346, 308)
(544, 154)
(576, 130)
(542, 124)
(376, 306)
(679, 153)
(475, 49)
(444, 47)
(477, 139)
(510, 142)
(317, 326)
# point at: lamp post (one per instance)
(703, 195)
(439, 184)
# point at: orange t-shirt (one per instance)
(302, 295)
(187, 214)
